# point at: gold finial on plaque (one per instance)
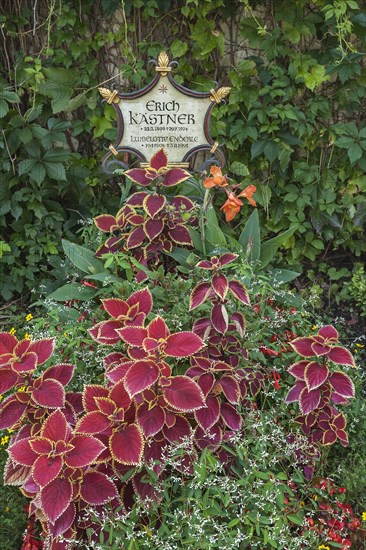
(163, 62)
(109, 95)
(218, 95)
(113, 150)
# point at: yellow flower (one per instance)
(29, 317)
(21, 390)
(27, 336)
(7, 509)
(4, 439)
(65, 334)
(12, 330)
(322, 547)
(360, 346)
(363, 516)
(314, 327)
(1, 396)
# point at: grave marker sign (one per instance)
(163, 114)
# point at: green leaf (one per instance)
(354, 153)
(295, 519)
(180, 255)
(3, 108)
(73, 291)
(82, 257)
(239, 168)
(178, 48)
(250, 238)
(11, 97)
(272, 150)
(59, 154)
(26, 166)
(213, 232)
(270, 247)
(233, 522)
(257, 148)
(38, 173)
(56, 171)
(282, 276)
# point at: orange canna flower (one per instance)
(248, 192)
(231, 207)
(217, 178)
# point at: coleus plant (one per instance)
(150, 223)
(319, 387)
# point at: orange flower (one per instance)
(217, 180)
(231, 207)
(248, 192)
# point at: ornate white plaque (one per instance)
(163, 114)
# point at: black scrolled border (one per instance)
(108, 163)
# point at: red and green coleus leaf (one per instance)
(55, 498)
(133, 335)
(49, 393)
(105, 332)
(7, 342)
(8, 379)
(341, 356)
(43, 349)
(180, 235)
(97, 489)
(92, 423)
(143, 299)
(141, 375)
(151, 418)
(342, 384)
(140, 176)
(85, 450)
(22, 453)
(11, 412)
(25, 363)
(239, 291)
(46, 469)
(62, 373)
(294, 393)
(55, 428)
(153, 228)
(315, 375)
(210, 438)
(135, 238)
(303, 346)
(90, 393)
(230, 416)
(179, 431)
(183, 344)
(209, 415)
(220, 285)
(174, 176)
(106, 223)
(62, 524)
(297, 370)
(127, 445)
(153, 204)
(230, 388)
(199, 295)
(309, 400)
(183, 394)
(220, 318)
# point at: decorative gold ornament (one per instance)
(113, 150)
(109, 95)
(163, 62)
(169, 165)
(214, 147)
(218, 95)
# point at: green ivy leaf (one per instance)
(38, 173)
(56, 171)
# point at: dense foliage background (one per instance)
(294, 119)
